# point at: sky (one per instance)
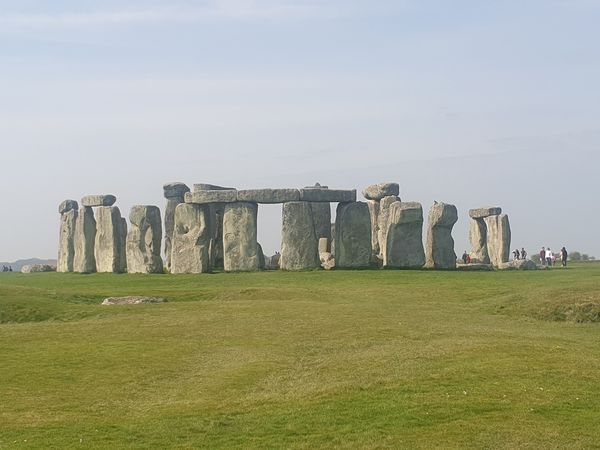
(472, 103)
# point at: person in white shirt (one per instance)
(549, 257)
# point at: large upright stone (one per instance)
(143, 240)
(174, 193)
(352, 235)
(374, 208)
(404, 246)
(440, 244)
(240, 247)
(321, 212)
(109, 240)
(66, 243)
(381, 190)
(478, 239)
(498, 239)
(98, 200)
(84, 241)
(123, 245)
(190, 252)
(299, 242)
(383, 221)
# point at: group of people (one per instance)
(7, 269)
(520, 254)
(548, 258)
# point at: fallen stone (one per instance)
(107, 248)
(84, 240)
(299, 244)
(352, 235)
(404, 237)
(498, 239)
(482, 213)
(380, 190)
(143, 240)
(216, 196)
(192, 236)
(131, 300)
(439, 250)
(175, 190)
(327, 195)
(475, 267)
(518, 264)
(98, 200)
(68, 205)
(33, 268)
(268, 195)
(66, 242)
(240, 247)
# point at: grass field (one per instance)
(346, 359)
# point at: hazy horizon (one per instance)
(468, 103)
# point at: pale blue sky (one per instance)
(468, 102)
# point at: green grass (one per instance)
(346, 359)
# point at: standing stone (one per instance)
(352, 235)
(383, 221)
(440, 245)
(478, 239)
(174, 193)
(321, 213)
(262, 260)
(299, 243)
(66, 244)
(498, 239)
(374, 215)
(143, 240)
(240, 247)
(217, 211)
(123, 245)
(190, 248)
(107, 248)
(404, 246)
(85, 237)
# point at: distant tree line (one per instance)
(573, 256)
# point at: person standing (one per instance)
(563, 256)
(549, 257)
(523, 253)
(543, 256)
(465, 256)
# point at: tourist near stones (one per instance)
(215, 228)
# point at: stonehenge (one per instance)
(490, 235)
(215, 228)
(440, 244)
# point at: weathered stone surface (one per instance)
(327, 260)
(190, 252)
(374, 215)
(482, 213)
(68, 205)
(268, 195)
(211, 187)
(519, 264)
(478, 239)
(216, 196)
(84, 241)
(352, 235)
(98, 200)
(32, 268)
(498, 239)
(262, 260)
(175, 190)
(217, 211)
(440, 244)
(404, 237)
(383, 222)
(123, 245)
(299, 244)
(240, 248)
(327, 195)
(143, 240)
(380, 190)
(321, 214)
(323, 245)
(107, 249)
(131, 300)
(272, 262)
(66, 242)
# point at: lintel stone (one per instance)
(211, 196)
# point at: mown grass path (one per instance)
(346, 359)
